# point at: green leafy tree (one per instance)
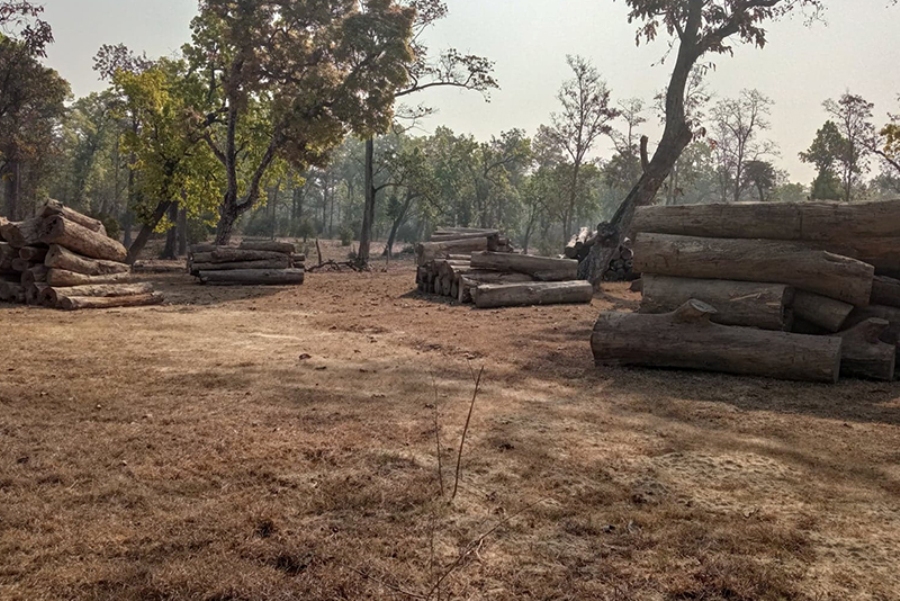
(852, 116)
(824, 153)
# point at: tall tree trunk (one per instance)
(12, 190)
(365, 236)
(398, 223)
(172, 234)
(182, 232)
(134, 251)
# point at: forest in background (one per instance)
(298, 142)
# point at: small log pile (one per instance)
(480, 267)
(802, 291)
(63, 259)
(621, 266)
(249, 264)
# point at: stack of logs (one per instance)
(267, 263)
(63, 259)
(491, 275)
(793, 291)
(621, 266)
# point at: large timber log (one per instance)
(235, 255)
(72, 303)
(205, 247)
(429, 251)
(451, 236)
(33, 292)
(490, 296)
(62, 258)
(748, 304)
(283, 263)
(821, 311)
(886, 291)
(540, 268)
(23, 233)
(59, 278)
(51, 296)
(54, 207)
(891, 334)
(254, 277)
(75, 237)
(808, 221)
(687, 339)
(474, 278)
(277, 247)
(7, 255)
(796, 265)
(34, 274)
(12, 292)
(864, 355)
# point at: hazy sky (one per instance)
(858, 49)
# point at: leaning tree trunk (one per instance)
(134, 251)
(365, 236)
(395, 227)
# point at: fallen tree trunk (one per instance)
(429, 251)
(23, 233)
(277, 247)
(451, 236)
(864, 355)
(50, 296)
(283, 263)
(886, 291)
(75, 237)
(54, 207)
(62, 258)
(796, 265)
(807, 221)
(821, 311)
(490, 296)
(749, 304)
(687, 339)
(235, 255)
(59, 278)
(891, 334)
(540, 268)
(254, 277)
(206, 247)
(475, 278)
(71, 303)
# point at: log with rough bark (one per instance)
(61, 278)
(451, 236)
(540, 268)
(821, 311)
(472, 279)
(749, 304)
(54, 207)
(687, 339)
(577, 244)
(278, 247)
(886, 291)
(33, 293)
(864, 355)
(807, 221)
(12, 292)
(7, 255)
(21, 265)
(283, 263)
(206, 247)
(72, 303)
(235, 255)
(491, 296)
(429, 251)
(23, 233)
(891, 334)
(37, 273)
(35, 254)
(50, 296)
(77, 238)
(254, 277)
(62, 258)
(788, 263)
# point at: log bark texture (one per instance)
(864, 355)
(35, 254)
(891, 334)
(38, 273)
(254, 277)
(12, 292)
(687, 339)
(886, 291)
(826, 313)
(23, 233)
(54, 207)
(72, 303)
(429, 251)
(283, 263)
(63, 278)
(75, 237)
(749, 304)
(540, 268)
(50, 296)
(62, 258)
(234, 255)
(788, 263)
(278, 247)
(490, 296)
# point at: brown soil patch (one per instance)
(251, 444)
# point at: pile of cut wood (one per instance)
(621, 266)
(63, 259)
(800, 291)
(480, 267)
(250, 264)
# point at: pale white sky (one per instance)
(858, 50)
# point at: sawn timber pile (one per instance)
(803, 291)
(480, 267)
(621, 266)
(250, 264)
(63, 259)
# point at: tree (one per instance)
(701, 27)
(290, 80)
(852, 116)
(887, 145)
(586, 116)
(737, 124)
(762, 176)
(824, 153)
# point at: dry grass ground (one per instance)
(257, 445)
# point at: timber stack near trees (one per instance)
(266, 263)
(63, 259)
(480, 267)
(802, 291)
(621, 266)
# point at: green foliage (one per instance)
(346, 235)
